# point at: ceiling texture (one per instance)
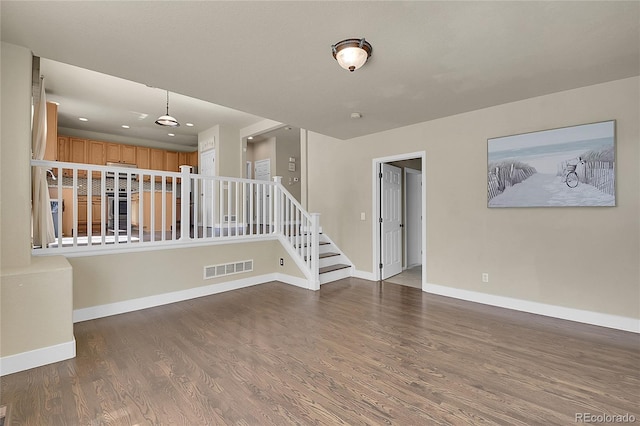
(271, 59)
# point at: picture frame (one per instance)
(571, 166)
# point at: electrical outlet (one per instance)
(485, 277)
(281, 262)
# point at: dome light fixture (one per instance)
(352, 53)
(167, 120)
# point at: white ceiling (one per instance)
(273, 59)
(109, 102)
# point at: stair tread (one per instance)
(332, 268)
(325, 255)
(322, 243)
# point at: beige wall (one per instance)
(583, 258)
(101, 280)
(228, 147)
(15, 153)
(36, 301)
(287, 147)
(37, 306)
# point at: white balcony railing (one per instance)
(104, 208)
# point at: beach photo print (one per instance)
(566, 167)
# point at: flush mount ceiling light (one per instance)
(352, 53)
(167, 120)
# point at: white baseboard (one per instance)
(36, 358)
(365, 275)
(291, 280)
(116, 308)
(561, 312)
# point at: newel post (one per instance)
(277, 205)
(185, 203)
(315, 251)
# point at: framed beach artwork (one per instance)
(567, 167)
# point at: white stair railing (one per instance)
(299, 232)
(105, 208)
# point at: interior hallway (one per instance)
(409, 277)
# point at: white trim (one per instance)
(37, 357)
(365, 275)
(291, 280)
(561, 312)
(124, 306)
(83, 251)
(375, 188)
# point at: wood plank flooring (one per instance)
(353, 353)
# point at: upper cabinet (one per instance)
(51, 150)
(96, 152)
(171, 163)
(142, 157)
(119, 153)
(75, 150)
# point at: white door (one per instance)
(413, 214)
(262, 171)
(207, 168)
(390, 225)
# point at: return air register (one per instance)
(216, 271)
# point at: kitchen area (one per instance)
(100, 201)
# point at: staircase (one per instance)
(301, 235)
(333, 264)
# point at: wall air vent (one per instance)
(217, 271)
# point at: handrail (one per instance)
(120, 208)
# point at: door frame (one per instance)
(375, 209)
(407, 228)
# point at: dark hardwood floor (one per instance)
(353, 353)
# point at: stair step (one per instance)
(325, 255)
(332, 268)
(321, 243)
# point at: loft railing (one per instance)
(105, 208)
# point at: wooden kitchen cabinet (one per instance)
(83, 206)
(72, 150)
(188, 159)
(96, 151)
(96, 215)
(51, 150)
(119, 153)
(171, 163)
(193, 160)
(128, 154)
(156, 159)
(67, 214)
(143, 159)
(157, 209)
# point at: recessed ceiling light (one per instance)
(356, 115)
(171, 134)
(189, 124)
(124, 126)
(83, 119)
(250, 138)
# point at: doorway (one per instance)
(399, 209)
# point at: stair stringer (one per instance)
(341, 258)
(300, 263)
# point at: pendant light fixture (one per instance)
(167, 120)
(352, 53)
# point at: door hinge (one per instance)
(380, 266)
(380, 175)
(380, 220)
